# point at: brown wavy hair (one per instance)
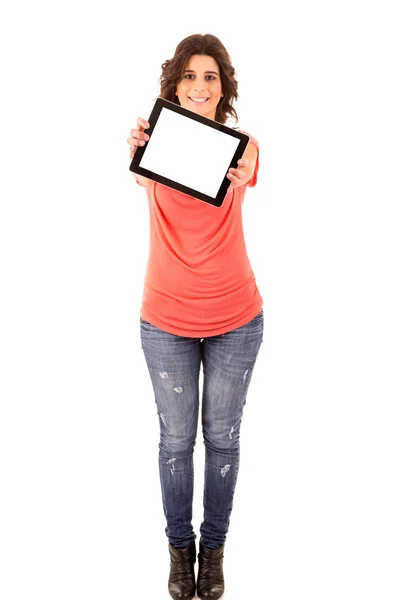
(208, 45)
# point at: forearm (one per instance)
(144, 181)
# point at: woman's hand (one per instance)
(138, 137)
(238, 176)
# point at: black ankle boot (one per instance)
(181, 582)
(210, 579)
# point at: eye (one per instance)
(212, 77)
(188, 76)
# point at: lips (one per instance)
(198, 100)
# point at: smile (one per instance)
(198, 100)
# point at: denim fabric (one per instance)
(174, 364)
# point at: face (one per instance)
(200, 89)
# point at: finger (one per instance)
(242, 162)
(238, 173)
(139, 135)
(142, 124)
(137, 139)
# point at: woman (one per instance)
(201, 308)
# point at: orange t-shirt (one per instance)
(199, 281)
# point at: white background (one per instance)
(316, 513)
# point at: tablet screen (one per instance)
(189, 152)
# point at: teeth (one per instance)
(199, 100)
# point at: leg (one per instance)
(228, 361)
(174, 367)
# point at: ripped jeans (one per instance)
(174, 365)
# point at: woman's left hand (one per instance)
(237, 176)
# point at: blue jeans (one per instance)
(174, 365)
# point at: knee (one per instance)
(176, 438)
(224, 440)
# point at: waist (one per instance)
(201, 312)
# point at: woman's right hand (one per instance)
(138, 137)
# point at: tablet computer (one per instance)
(189, 152)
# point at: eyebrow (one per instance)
(191, 71)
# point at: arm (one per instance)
(246, 166)
(139, 138)
(141, 180)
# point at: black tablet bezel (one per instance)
(135, 167)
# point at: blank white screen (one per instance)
(189, 152)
